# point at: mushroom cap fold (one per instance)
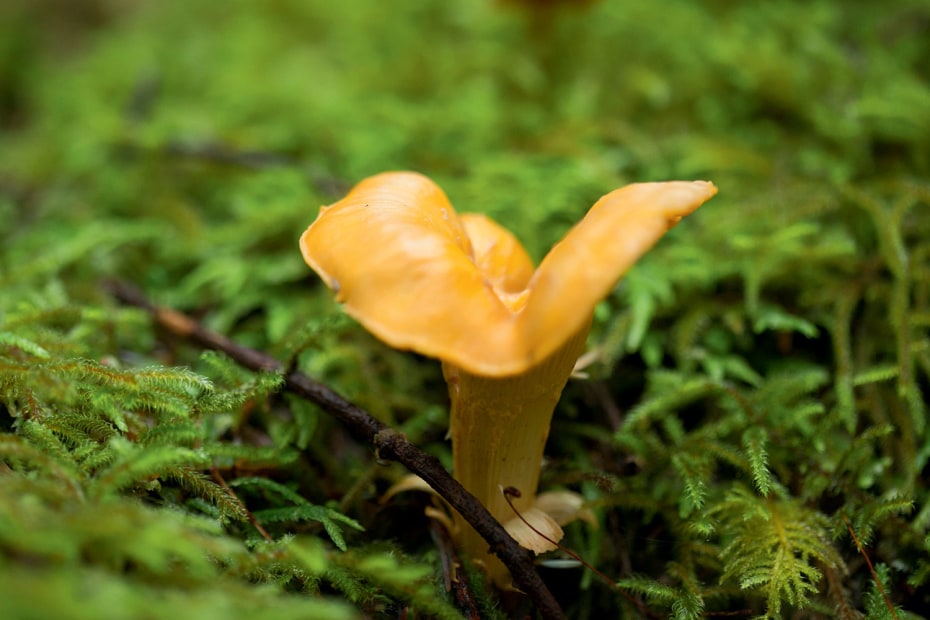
(500, 258)
(462, 288)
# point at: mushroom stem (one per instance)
(499, 427)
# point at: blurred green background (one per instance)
(761, 378)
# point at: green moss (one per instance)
(763, 374)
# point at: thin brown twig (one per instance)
(248, 513)
(878, 582)
(455, 579)
(388, 443)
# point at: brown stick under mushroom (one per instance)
(389, 444)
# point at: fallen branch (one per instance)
(388, 443)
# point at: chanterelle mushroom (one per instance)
(463, 289)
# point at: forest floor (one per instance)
(750, 436)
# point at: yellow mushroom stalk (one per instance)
(462, 289)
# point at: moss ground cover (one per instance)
(761, 378)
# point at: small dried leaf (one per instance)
(565, 507)
(529, 539)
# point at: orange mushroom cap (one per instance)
(462, 288)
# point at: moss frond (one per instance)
(754, 440)
(774, 546)
(682, 604)
(409, 582)
(132, 466)
(300, 510)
